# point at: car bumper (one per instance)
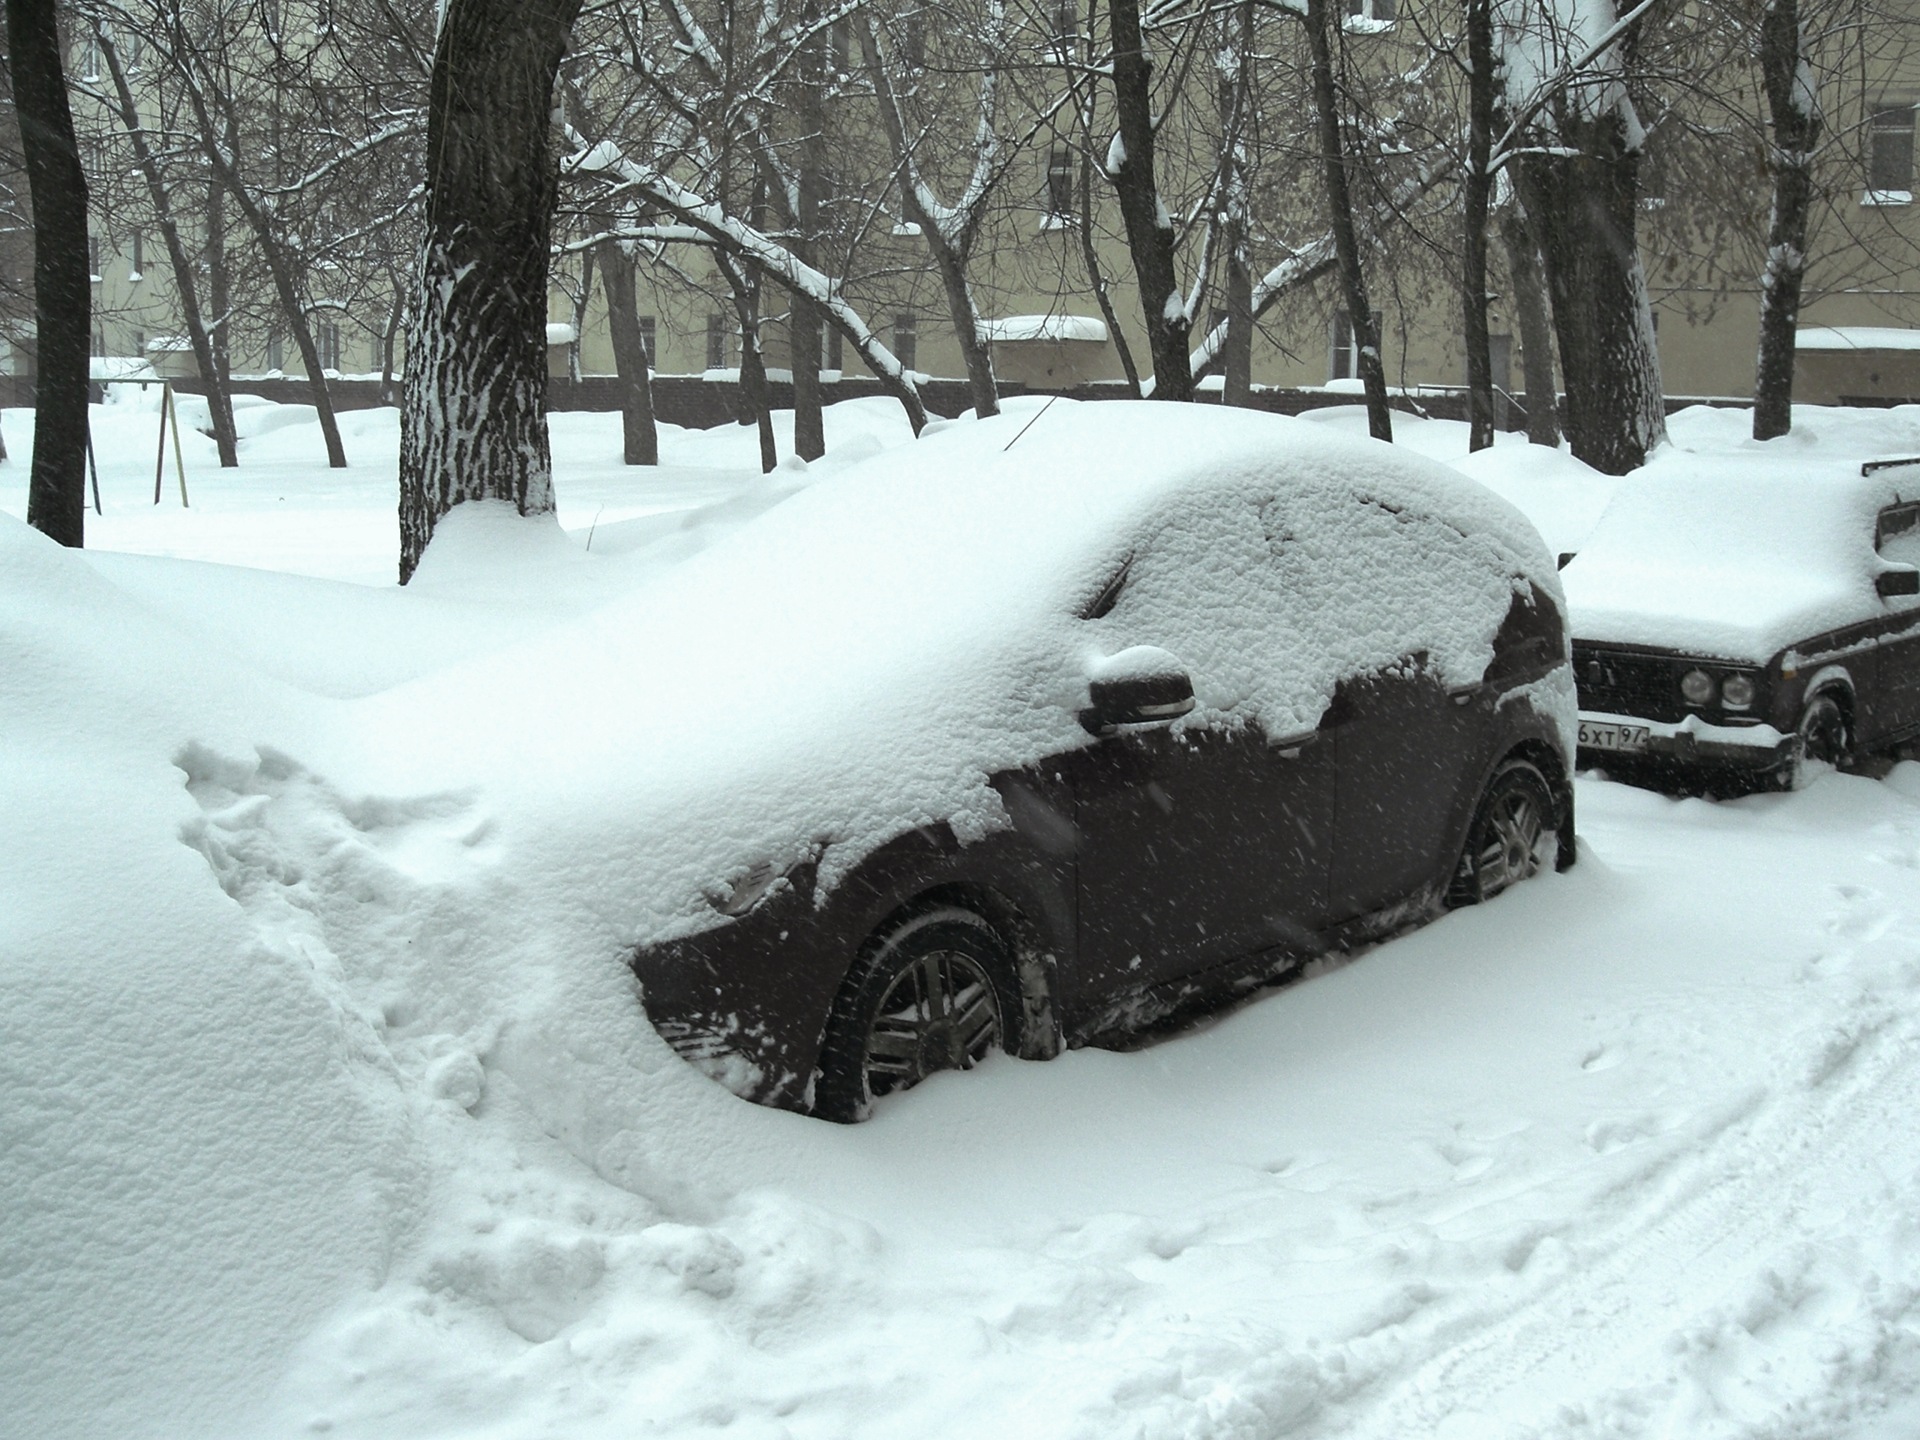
(1692, 741)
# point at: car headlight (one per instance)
(1737, 692)
(1697, 686)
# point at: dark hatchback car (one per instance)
(1735, 629)
(1236, 694)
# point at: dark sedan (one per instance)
(1734, 629)
(1242, 694)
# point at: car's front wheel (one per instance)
(1513, 835)
(932, 995)
(1824, 742)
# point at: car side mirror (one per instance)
(1144, 685)
(1901, 580)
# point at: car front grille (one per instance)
(1625, 684)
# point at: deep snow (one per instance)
(326, 1105)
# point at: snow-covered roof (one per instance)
(860, 659)
(1014, 328)
(1856, 337)
(169, 345)
(561, 333)
(1724, 557)
(120, 367)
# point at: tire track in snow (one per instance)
(1625, 1324)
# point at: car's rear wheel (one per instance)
(933, 995)
(1513, 835)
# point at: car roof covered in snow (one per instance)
(1724, 557)
(861, 658)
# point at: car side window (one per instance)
(1896, 534)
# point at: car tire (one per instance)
(936, 993)
(1513, 835)
(1823, 740)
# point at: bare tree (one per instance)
(185, 282)
(1794, 104)
(56, 485)
(473, 422)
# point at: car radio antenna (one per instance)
(1028, 426)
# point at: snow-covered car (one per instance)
(1738, 625)
(1112, 711)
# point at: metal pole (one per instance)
(160, 458)
(179, 465)
(93, 469)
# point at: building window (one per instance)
(913, 41)
(906, 342)
(1060, 184)
(647, 332)
(90, 58)
(840, 47)
(716, 341)
(1345, 363)
(270, 17)
(274, 354)
(139, 342)
(139, 254)
(1365, 15)
(1346, 348)
(99, 342)
(326, 339)
(1890, 155)
(93, 257)
(830, 348)
(1065, 18)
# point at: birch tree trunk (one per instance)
(640, 437)
(62, 290)
(1794, 105)
(472, 417)
(1149, 227)
(1346, 241)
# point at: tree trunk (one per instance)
(754, 400)
(1477, 196)
(803, 316)
(280, 266)
(1536, 329)
(1585, 204)
(219, 405)
(639, 436)
(948, 252)
(1795, 109)
(218, 295)
(1237, 351)
(473, 413)
(396, 313)
(1097, 279)
(62, 289)
(1150, 233)
(1346, 242)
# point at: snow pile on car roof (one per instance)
(861, 659)
(1733, 556)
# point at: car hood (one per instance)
(1719, 558)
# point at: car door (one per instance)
(1198, 846)
(1893, 706)
(1404, 747)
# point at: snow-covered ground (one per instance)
(327, 1106)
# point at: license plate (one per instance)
(1613, 737)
